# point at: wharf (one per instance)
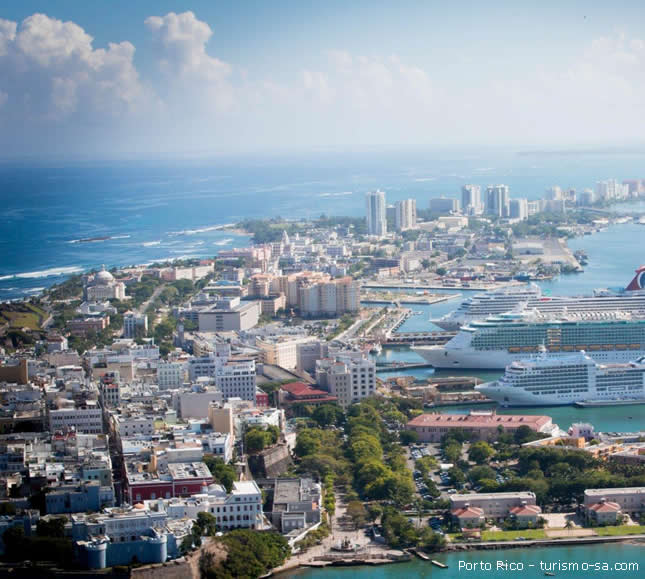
(396, 366)
(402, 299)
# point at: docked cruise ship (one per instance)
(574, 378)
(516, 298)
(496, 342)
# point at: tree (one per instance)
(407, 437)
(205, 524)
(374, 511)
(54, 527)
(328, 415)
(480, 452)
(452, 451)
(441, 271)
(307, 442)
(457, 477)
(357, 513)
(223, 473)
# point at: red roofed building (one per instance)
(485, 425)
(525, 515)
(299, 393)
(605, 513)
(468, 516)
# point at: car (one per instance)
(451, 491)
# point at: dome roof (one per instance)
(104, 277)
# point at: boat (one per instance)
(486, 344)
(549, 574)
(438, 564)
(530, 297)
(575, 379)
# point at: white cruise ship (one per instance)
(631, 299)
(574, 378)
(496, 342)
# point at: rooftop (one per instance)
(480, 420)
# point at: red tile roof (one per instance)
(480, 420)
(605, 507)
(526, 510)
(468, 512)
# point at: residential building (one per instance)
(331, 298)
(468, 517)
(497, 200)
(604, 512)
(221, 445)
(281, 350)
(406, 214)
(471, 199)
(237, 379)
(135, 325)
(85, 417)
(296, 503)
(519, 209)
(349, 379)
(171, 375)
(525, 515)
(376, 218)
(194, 402)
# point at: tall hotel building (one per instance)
(376, 220)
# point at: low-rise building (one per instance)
(630, 499)
(468, 517)
(78, 498)
(525, 515)
(485, 425)
(494, 505)
(604, 512)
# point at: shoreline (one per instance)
(638, 540)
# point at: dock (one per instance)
(418, 338)
(396, 366)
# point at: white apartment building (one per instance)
(405, 214)
(332, 298)
(236, 379)
(471, 199)
(376, 218)
(134, 324)
(350, 379)
(281, 350)
(131, 425)
(519, 209)
(221, 445)
(86, 418)
(171, 375)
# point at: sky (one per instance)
(114, 78)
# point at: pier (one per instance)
(396, 366)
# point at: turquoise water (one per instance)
(609, 554)
(614, 254)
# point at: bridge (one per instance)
(419, 338)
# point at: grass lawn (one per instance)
(22, 316)
(512, 535)
(620, 530)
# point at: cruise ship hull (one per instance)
(471, 359)
(509, 396)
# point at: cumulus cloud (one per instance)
(50, 70)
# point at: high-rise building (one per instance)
(518, 209)
(471, 199)
(376, 221)
(406, 214)
(349, 378)
(497, 200)
(554, 193)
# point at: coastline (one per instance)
(637, 540)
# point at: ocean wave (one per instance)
(196, 231)
(224, 241)
(424, 179)
(151, 243)
(120, 237)
(52, 272)
(341, 194)
(35, 290)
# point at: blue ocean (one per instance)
(143, 211)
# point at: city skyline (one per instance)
(196, 78)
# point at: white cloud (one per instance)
(50, 70)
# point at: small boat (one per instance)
(549, 574)
(439, 564)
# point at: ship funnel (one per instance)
(638, 283)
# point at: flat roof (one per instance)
(615, 491)
(492, 496)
